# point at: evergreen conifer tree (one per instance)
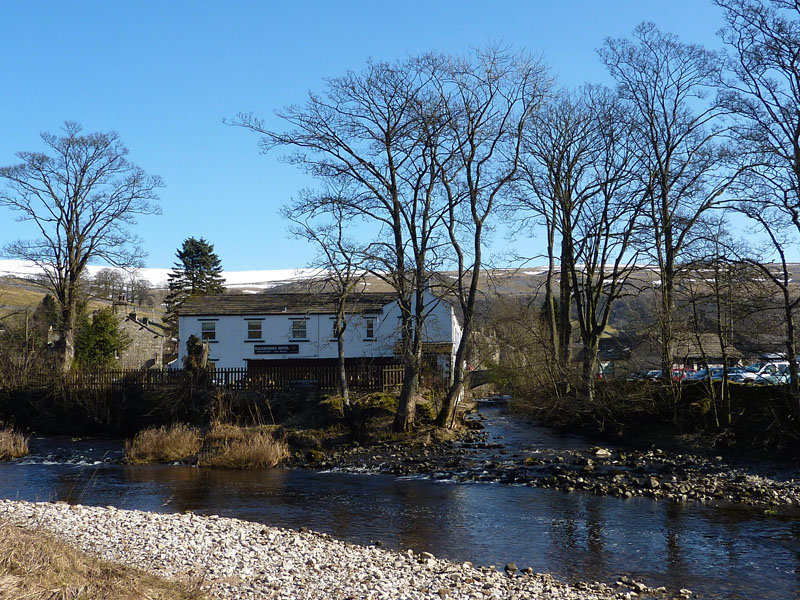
(100, 340)
(197, 272)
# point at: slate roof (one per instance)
(281, 303)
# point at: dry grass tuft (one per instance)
(37, 566)
(12, 444)
(179, 442)
(233, 447)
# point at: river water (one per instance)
(731, 553)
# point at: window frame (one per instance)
(255, 330)
(208, 331)
(369, 328)
(295, 328)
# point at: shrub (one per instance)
(248, 449)
(179, 442)
(12, 444)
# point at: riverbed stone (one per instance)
(238, 560)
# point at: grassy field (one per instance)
(16, 294)
(19, 294)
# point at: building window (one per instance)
(299, 329)
(208, 330)
(254, 330)
(370, 327)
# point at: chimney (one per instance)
(118, 307)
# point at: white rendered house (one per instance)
(243, 330)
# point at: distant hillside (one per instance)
(235, 280)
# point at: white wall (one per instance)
(231, 348)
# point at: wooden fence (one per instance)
(364, 377)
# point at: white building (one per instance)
(244, 330)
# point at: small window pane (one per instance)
(254, 330)
(209, 330)
(298, 330)
(370, 328)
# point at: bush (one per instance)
(179, 442)
(12, 444)
(241, 448)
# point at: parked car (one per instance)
(715, 374)
(637, 375)
(655, 374)
(780, 377)
(681, 374)
(750, 373)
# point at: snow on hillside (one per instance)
(158, 277)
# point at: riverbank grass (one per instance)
(223, 445)
(232, 447)
(36, 566)
(12, 444)
(162, 444)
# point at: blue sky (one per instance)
(165, 75)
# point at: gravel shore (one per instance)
(241, 560)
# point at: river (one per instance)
(731, 553)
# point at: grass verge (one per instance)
(12, 444)
(37, 566)
(178, 442)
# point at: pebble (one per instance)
(240, 560)
(602, 471)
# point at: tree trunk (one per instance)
(412, 352)
(344, 390)
(564, 305)
(67, 338)
(407, 404)
(666, 324)
(447, 414)
(791, 356)
(589, 361)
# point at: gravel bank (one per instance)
(242, 560)
(624, 473)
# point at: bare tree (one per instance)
(488, 100)
(339, 260)
(579, 179)
(107, 283)
(715, 290)
(372, 134)
(669, 87)
(604, 256)
(772, 222)
(764, 92)
(558, 152)
(80, 198)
